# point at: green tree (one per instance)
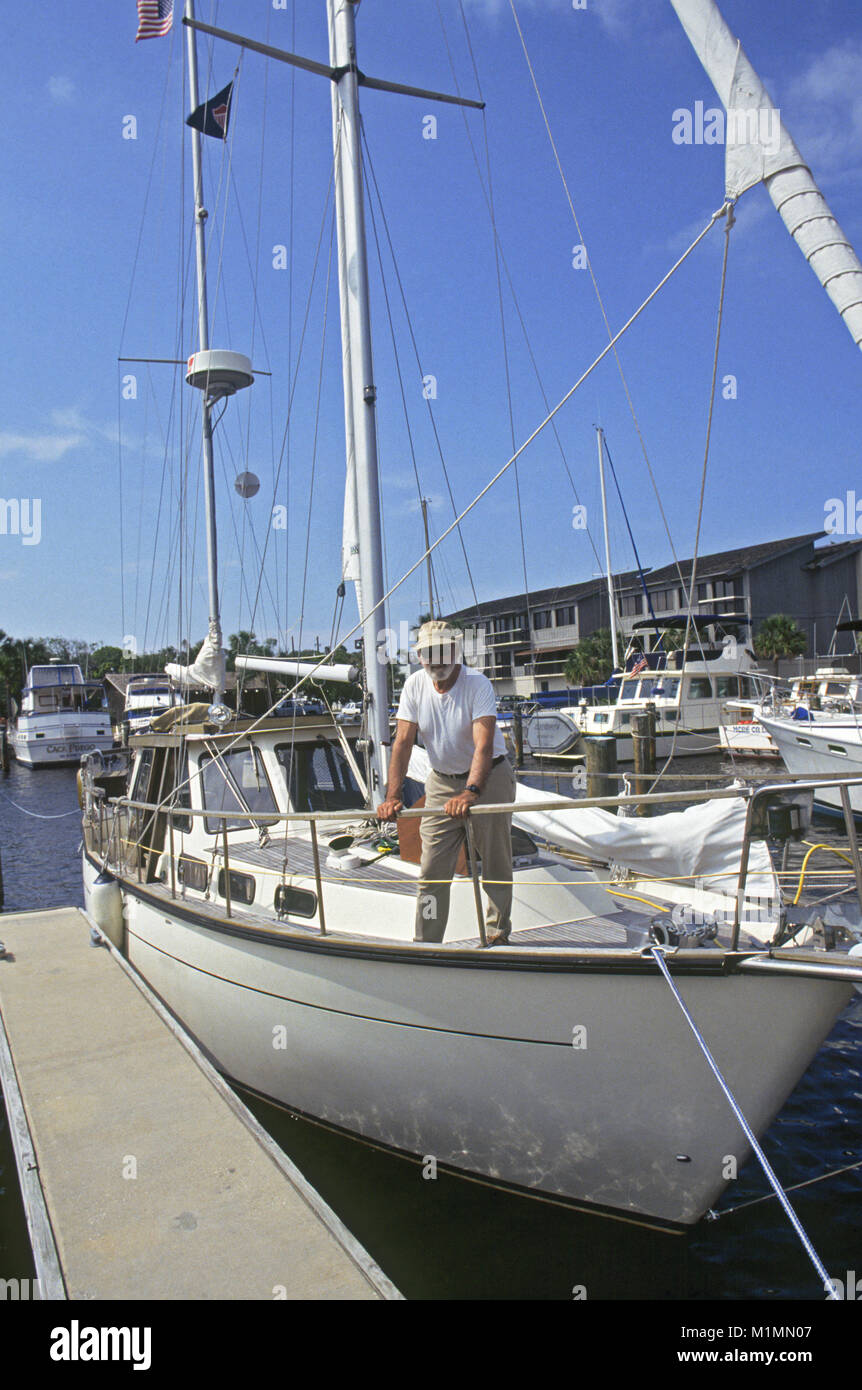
(777, 637)
(592, 660)
(244, 643)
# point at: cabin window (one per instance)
(666, 689)
(236, 782)
(182, 800)
(699, 688)
(298, 901)
(241, 886)
(629, 690)
(747, 688)
(726, 687)
(192, 873)
(625, 719)
(837, 748)
(142, 775)
(319, 777)
(835, 688)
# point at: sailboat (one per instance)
(245, 877)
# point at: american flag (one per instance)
(640, 665)
(155, 18)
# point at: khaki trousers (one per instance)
(442, 838)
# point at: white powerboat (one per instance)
(62, 717)
(687, 694)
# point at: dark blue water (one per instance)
(454, 1239)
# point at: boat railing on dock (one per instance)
(117, 829)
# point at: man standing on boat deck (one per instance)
(454, 711)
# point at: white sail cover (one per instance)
(696, 851)
(759, 148)
(207, 669)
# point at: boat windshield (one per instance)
(319, 777)
(236, 781)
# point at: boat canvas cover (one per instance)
(207, 669)
(697, 850)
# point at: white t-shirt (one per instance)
(446, 720)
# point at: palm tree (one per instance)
(779, 637)
(592, 660)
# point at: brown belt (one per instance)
(467, 773)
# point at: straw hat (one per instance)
(436, 634)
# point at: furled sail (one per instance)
(758, 148)
(350, 535)
(207, 669)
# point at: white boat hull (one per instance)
(57, 748)
(820, 749)
(471, 1062)
(748, 740)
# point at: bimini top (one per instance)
(56, 675)
(698, 619)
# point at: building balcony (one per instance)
(556, 638)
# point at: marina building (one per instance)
(521, 641)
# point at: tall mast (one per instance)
(360, 392)
(424, 502)
(600, 436)
(215, 633)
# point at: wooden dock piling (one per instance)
(643, 751)
(601, 760)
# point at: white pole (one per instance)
(362, 393)
(600, 436)
(215, 632)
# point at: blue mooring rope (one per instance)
(658, 955)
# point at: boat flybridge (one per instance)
(147, 696)
(62, 716)
(687, 690)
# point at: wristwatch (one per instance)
(471, 787)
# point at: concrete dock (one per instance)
(143, 1175)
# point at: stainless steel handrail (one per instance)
(314, 818)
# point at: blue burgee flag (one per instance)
(212, 117)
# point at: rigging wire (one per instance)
(728, 227)
(595, 285)
(415, 346)
(504, 336)
(492, 481)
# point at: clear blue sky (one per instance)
(76, 204)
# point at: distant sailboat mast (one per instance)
(600, 437)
